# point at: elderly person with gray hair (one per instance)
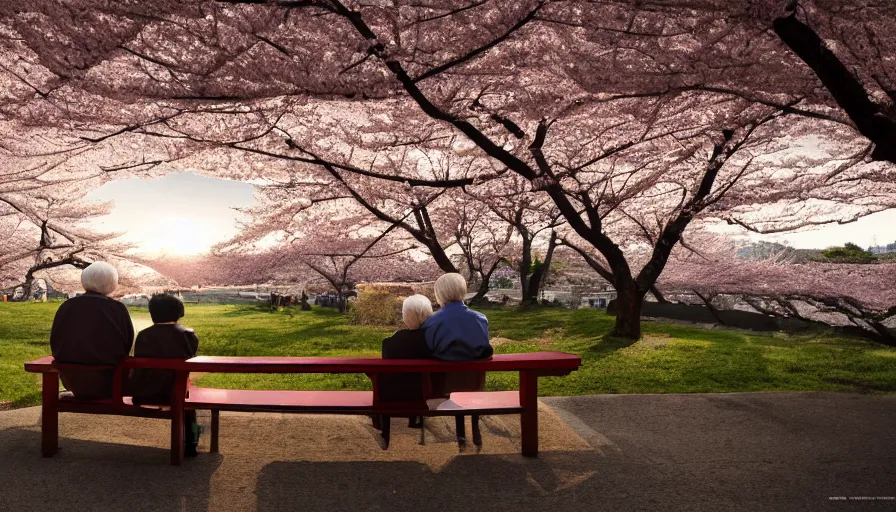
(455, 332)
(92, 329)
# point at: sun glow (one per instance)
(177, 235)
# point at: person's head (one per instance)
(450, 288)
(99, 277)
(415, 310)
(165, 309)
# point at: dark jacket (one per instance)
(91, 329)
(404, 344)
(167, 341)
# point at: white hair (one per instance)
(415, 310)
(450, 288)
(99, 277)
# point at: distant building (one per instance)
(883, 249)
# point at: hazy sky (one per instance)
(183, 213)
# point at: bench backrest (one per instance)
(548, 361)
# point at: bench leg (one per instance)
(177, 419)
(529, 416)
(49, 423)
(460, 429)
(477, 435)
(386, 431)
(213, 442)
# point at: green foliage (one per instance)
(671, 358)
(375, 306)
(848, 253)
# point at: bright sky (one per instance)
(184, 213)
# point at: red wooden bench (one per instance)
(523, 402)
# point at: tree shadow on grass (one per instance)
(608, 345)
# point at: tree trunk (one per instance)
(541, 272)
(628, 311)
(707, 301)
(658, 295)
(524, 268)
(842, 83)
(483, 289)
(441, 259)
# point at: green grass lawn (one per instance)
(671, 358)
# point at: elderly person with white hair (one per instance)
(407, 343)
(92, 329)
(455, 332)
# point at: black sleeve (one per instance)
(55, 330)
(388, 349)
(129, 329)
(192, 343)
(140, 345)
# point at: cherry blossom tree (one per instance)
(483, 239)
(858, 295)
(640, 121)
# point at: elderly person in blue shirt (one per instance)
(455, 332)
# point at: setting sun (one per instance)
(177, 235)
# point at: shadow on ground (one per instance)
(701, 452)
(90, 475)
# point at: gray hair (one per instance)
(450, 288)
(415, 310)
(99, 277)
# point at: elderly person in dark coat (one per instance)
(407, 343)
(92, 329)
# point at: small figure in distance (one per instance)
(166, 339)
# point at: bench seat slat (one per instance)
(480, 400)
(213, 398)
(347, 402)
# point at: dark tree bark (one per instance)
(707, 301)
(871, 120)
(658, 295)
(524, 269)
(629, 302)
(541, 270)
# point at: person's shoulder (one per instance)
(184, 329)
(433, 318)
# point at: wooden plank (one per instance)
(553, 363)
(484, 400)
(202, 398)
(556, 362)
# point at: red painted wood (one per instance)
(553, 362)
(482, 400)
(177, 418)
(216, 427)
(201, 398)
(529, 417)
(49, 421)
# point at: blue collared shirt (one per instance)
(457, 333)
